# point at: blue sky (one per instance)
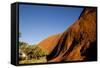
(39, 22)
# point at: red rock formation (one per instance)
(77, 43)
(50, 43)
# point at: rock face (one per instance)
(77, 43)
(50, 43)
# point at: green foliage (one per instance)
(37, 52)
(22, 44)
(31, 51)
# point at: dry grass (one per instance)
(40, 60)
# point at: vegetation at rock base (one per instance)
(31, 54)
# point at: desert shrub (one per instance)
(36, 52)
(31, 51)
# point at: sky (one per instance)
(37, 23)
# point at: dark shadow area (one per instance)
(59, 47)
(91, 52)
